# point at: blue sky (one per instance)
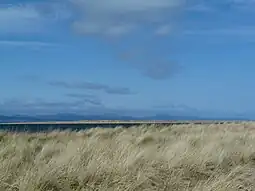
(130, 57)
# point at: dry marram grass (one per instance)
(183, 157)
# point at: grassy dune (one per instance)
(183, 157)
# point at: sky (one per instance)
(134, 57)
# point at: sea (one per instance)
(46, 127)
(33, 128)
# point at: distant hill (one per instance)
(75, 117)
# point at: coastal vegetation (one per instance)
(216, 157)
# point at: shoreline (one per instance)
(170, 122)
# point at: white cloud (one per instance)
(113, 6)
(24, 18)
(19, 18)
(116, 17)
(111, 17)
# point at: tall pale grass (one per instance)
(183, 157)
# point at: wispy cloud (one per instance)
(241, 31)
(117, 18)
(30, 17)
(109, 18)
(16, 43)
(92, 86)
(221, 5)
(19, 19)
(39, 106)
(87, 98)
(121, 17)
(20, 106)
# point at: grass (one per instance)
(183, 157)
